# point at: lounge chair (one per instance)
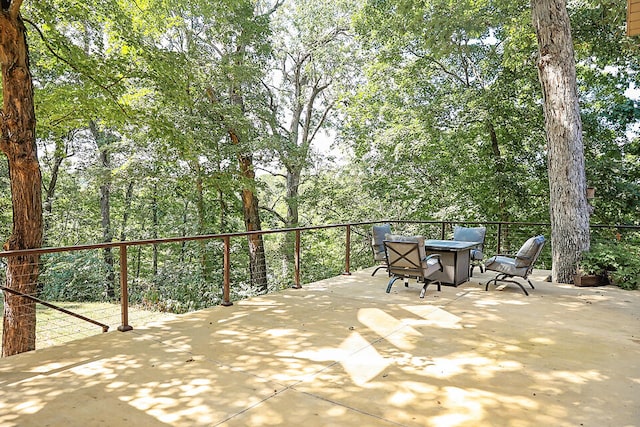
(520, 265)
(407, 259)
(377, 245)
(472, 234)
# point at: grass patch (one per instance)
(54, 327)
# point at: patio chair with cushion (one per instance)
(472, 234)
(407, 259)
(377, 244)
(520, 265)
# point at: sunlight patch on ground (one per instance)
(150, 399)
(366, 364)
(388, 327)
(577, 377)
(470, 364)
(432, 316)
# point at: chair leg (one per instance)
(376, 270)
(393, 279)
(427, 283)
(503, 278)
(521, 287)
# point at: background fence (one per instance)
(124, 284)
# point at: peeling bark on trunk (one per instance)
(257, 261)
(567, 183)
(17, 124)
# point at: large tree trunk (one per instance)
(567, 183)
(17, 125)
(257, 260)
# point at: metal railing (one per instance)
(503, 236)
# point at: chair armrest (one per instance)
(432, 256)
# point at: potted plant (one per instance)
(594, 266)
(615, 262)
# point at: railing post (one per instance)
(226, 301)
(124, 290)
(347, 255)
(442, 230)
(296, 262)
(498, 251)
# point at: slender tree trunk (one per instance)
(102, 143)
(127, 209)
(567, 183)
(185, 223)
(154, 231)
(202, 247)
(499, 164)
(50, 190)
(17, 126)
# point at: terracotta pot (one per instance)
(584, 280)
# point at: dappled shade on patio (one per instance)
(343, 352)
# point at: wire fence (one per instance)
(124, 284)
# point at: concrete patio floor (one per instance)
(342, 352)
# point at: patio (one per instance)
(342, 352)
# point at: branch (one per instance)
(270, 172)
(274, 213)
(275, 7)
(321, 122)
(440, 65)
(76, 69)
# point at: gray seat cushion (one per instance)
(471, 234)
(476, 255)
(505, 265)
(527, 253)
(377, 240)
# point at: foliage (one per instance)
(73, 276)
(435, 108)
(618, 259)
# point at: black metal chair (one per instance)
(472, 234)
(377, 245)
(407, 259)
(520, 265)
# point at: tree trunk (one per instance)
(200, 207)
(102, 142)
(257, 261)
(567, 183)
(154, 231)
(17, 125)
(127, 208)
(58, 157)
